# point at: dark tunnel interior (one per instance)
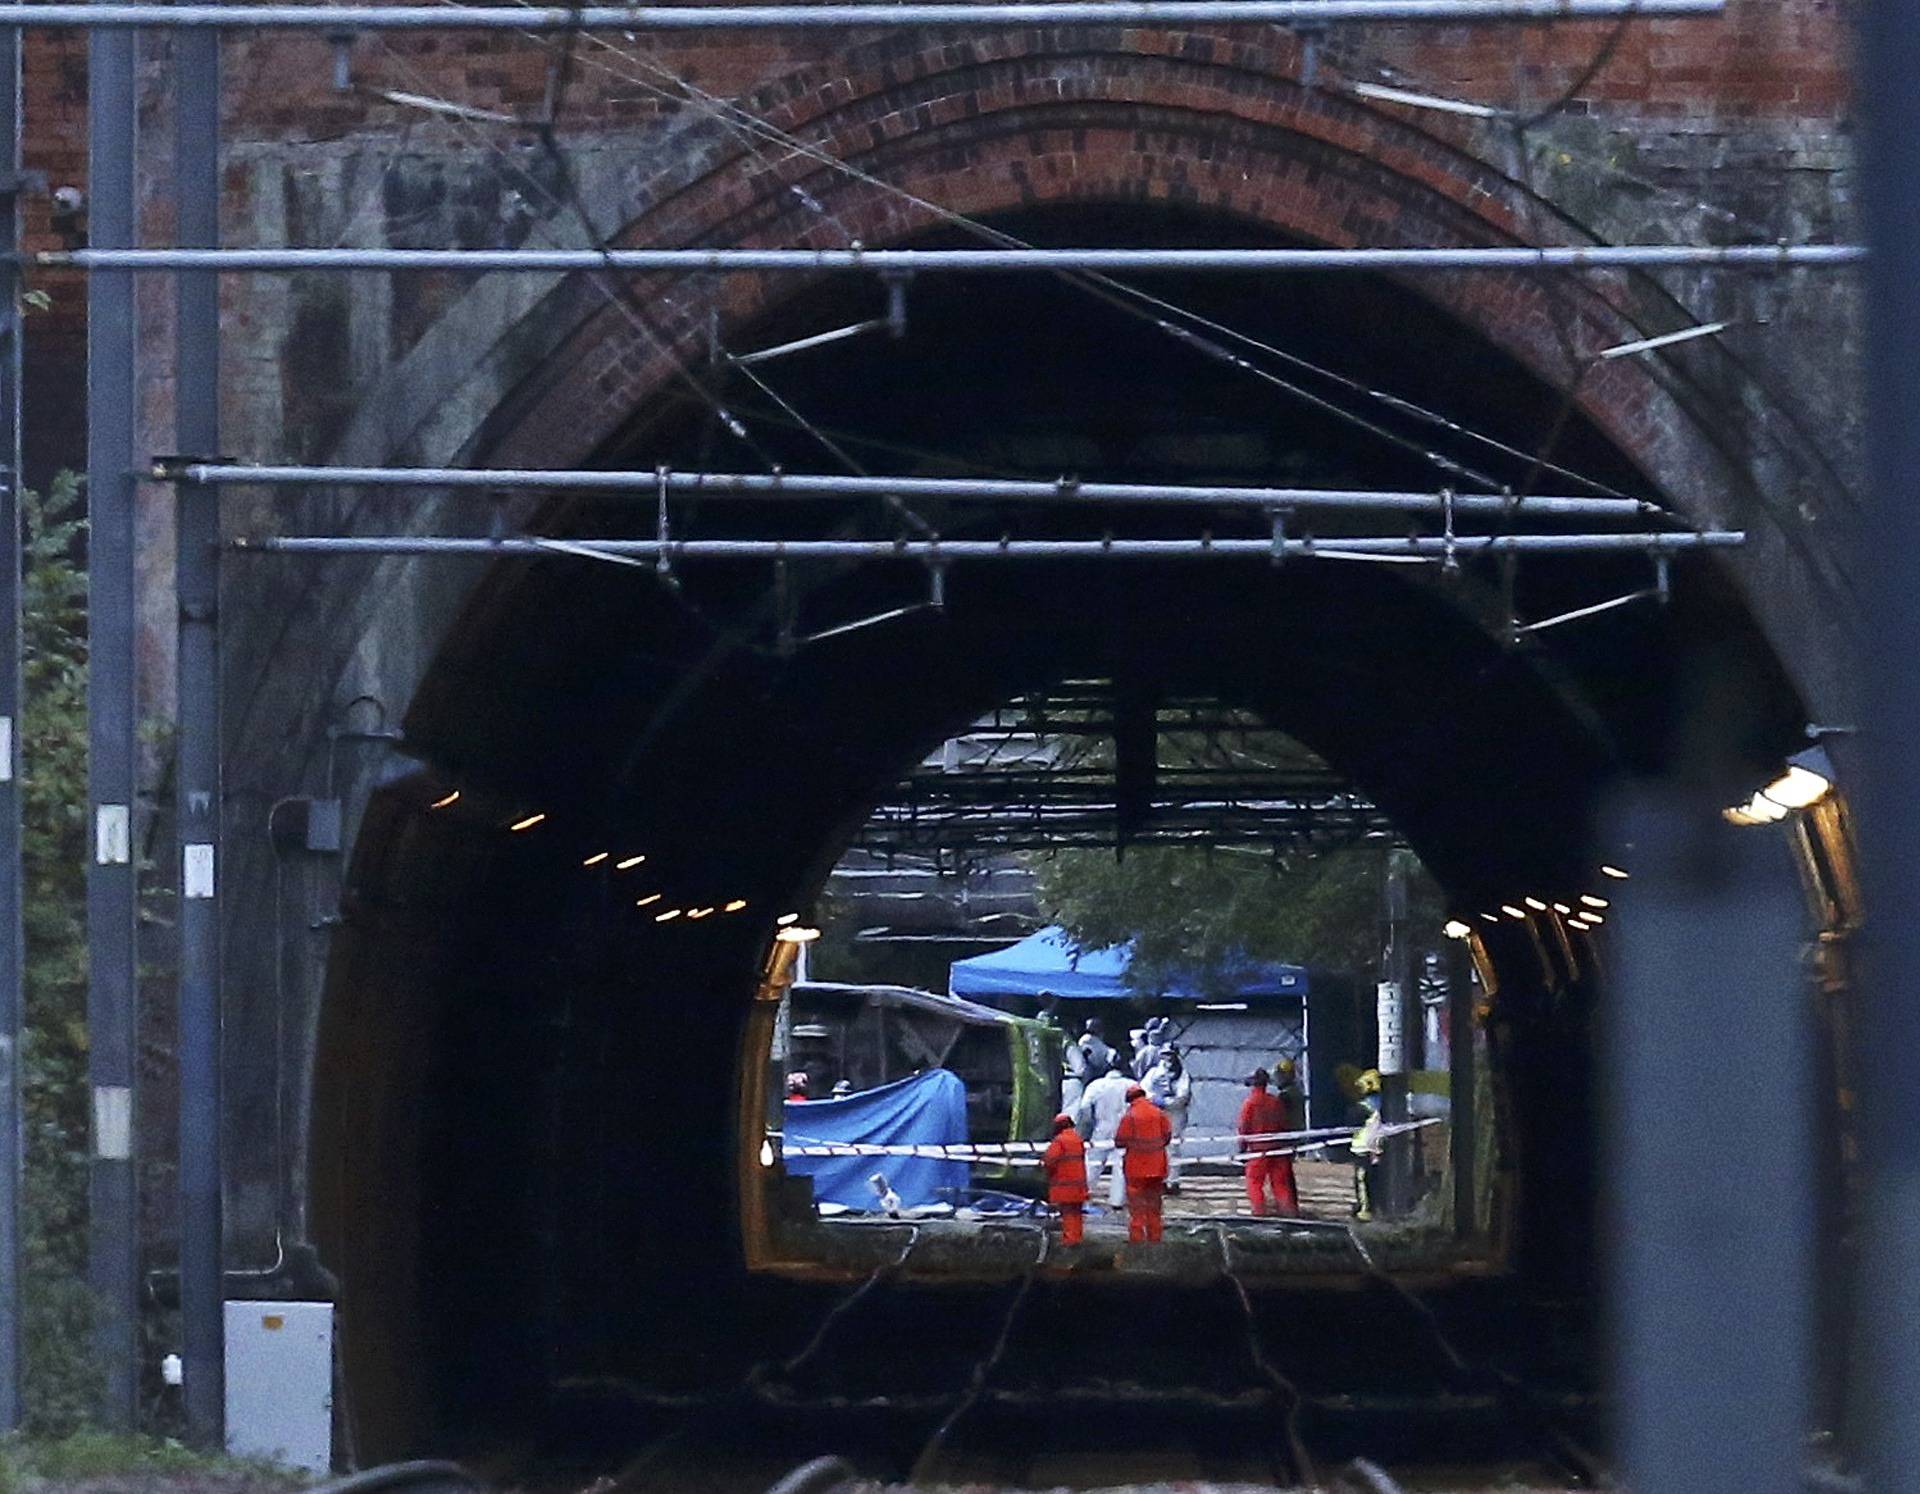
(525, 1125)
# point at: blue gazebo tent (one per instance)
(1050, 963)
(1258, 1019)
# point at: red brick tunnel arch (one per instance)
(1215, 122)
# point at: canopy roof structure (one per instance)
(1049, 963)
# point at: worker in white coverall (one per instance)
(1098, 1117)
(1170, 1086)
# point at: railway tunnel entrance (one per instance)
(527, 1127)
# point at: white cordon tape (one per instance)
(1026, 1153)
(1035, 1148)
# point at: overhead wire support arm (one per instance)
(1508, 257)
(333, 18)
(941, 551)
(953, 489)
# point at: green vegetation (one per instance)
(61, 1379)
(114, 1460)
(1198, 911)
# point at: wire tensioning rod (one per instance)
(1512, 257)
(959, 489)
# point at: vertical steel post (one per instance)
(1889, 821)
(112, 915)
(197, 770)
(1463, 1073)
(1396, 1166)
(12, 961)
(1710, 1086)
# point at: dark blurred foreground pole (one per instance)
(1889, 817)
(1711, 1221)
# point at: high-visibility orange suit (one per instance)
(1261, 1115)
(1142, 1137)
(1065, 1163)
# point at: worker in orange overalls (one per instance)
(1262, 1115)
(1065, 1163)
(1143, 1136)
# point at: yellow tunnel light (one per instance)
(698, 912)
(1455, 929)
(596, 858)
(1594, 902)
(1513, 912)
(649, 900)
(667, 917)
(1592, 920)
(442, 803)
(766, 1154)
(787, 920)
(629, 864)
(1797, 788)
(1562, 909)
(795, 935)
(1535, 904)
(1614, 872)
(1490, 918)
(735, 906)
(528, 823)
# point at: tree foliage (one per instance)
(59, 1375)
(1198, 912)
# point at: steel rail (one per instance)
(1518, 257)
(349, 18)
(938, 551)
(958, 489)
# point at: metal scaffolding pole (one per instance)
(939, 552)
(12, 971)
(113, 1243)
(197, 767)
(956, 489)
(1889, 816)
(337, 18)
(973, 261)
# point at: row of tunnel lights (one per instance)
(1588, 916)
(787, 923)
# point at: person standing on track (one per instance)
(1065, 1163)
(1170, 1086)
(1098, 1118)
(1262, 1116)
(1142, 1136)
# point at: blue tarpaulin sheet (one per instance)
(928, 1109)
(1050, 964)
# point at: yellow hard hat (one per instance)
(1368, 1082)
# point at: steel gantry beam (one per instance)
(937, 552)
(955, 489)
(1511, 257)
(347, 18)
(112, 925)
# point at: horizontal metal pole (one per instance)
(970, 261)
(959, 489)
(335, 18)
(937, 552)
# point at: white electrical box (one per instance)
(280, 1382)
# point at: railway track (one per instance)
(1046, 1383)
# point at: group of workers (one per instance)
(1136, 1121)
(1141, 1135)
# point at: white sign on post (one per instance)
(1393, 1033)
